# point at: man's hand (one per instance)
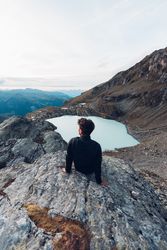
(104, 183)
(64, 170)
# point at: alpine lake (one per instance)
(109, 133)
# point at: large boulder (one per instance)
(14, 127)
(25, 140)
(43, 208)
(53, 142)
(20, 127)
(27, 149)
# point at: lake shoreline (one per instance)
(140, 156)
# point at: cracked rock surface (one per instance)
(43, 208)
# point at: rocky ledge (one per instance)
(43, 208)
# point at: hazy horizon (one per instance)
(36, 83)
(75, 44)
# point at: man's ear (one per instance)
(80, 131)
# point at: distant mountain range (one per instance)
(23, 101)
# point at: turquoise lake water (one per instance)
(109, 133)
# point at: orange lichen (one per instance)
(73, 235)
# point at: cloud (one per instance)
(77, 42)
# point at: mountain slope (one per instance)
(137, 95)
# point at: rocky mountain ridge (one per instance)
(137, 96)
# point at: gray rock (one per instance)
(14, 127)
(126, 214)
(27, 149)
(53, 142)
(25, 140)
(21, 127)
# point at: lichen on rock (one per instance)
(70, 234)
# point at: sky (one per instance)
(76, 44)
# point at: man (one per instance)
(85, 152)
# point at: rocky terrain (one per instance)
(43, 208)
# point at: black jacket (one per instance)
(86, 155)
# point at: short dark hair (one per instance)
(86, 125)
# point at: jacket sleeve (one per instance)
(69, 157)
(98, 166)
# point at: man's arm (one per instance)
(98, 166)
(69, 157)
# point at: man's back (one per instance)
(86, 154)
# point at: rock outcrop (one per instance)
(22, 140)
(43, 208)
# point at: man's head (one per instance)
(86, 126)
